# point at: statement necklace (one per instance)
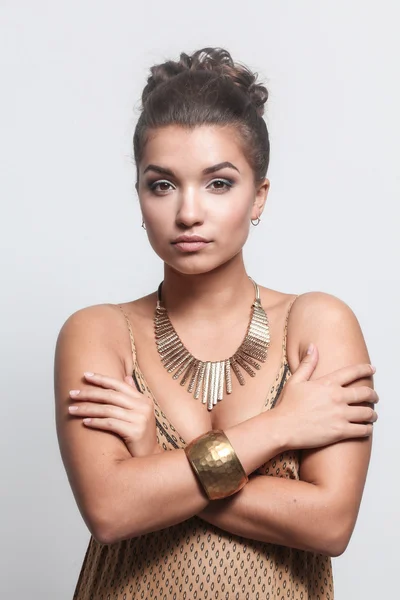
(208, 379)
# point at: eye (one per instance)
(223, 184)
(153, 186)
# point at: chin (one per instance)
(192, 267)
(197, 264)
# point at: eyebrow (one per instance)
(207, 171)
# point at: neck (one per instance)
(225, 289)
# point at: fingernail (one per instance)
(71, 408)
(310, 349)
(74, 392)
(373, 369)
(87, 420)
(88, 374)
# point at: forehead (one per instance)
(200, 146)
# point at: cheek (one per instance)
(157, 218)
(241, 218)
(234, 218)
(157, 235)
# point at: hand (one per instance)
(117, 406)
(322, 412)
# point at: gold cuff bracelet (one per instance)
(216, 464)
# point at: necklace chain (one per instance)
(208, 380)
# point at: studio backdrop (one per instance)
(71, 75)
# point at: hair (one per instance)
(206, 88)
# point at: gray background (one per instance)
(71, 76)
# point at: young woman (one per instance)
(216, 434)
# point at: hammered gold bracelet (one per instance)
(216, 464)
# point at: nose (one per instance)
(190, 210)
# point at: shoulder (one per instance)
(87, 330)
(98, 317)
(99, 324)
(103, 325)
(90, 319)
(320, 306)
(323, 319)
(307, 309)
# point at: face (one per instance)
(197, 195)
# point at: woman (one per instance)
(171, 479)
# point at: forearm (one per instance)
(280, 511)
(153, 492)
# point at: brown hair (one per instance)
(206, 88)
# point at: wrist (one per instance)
(279, 430)
(259, 439)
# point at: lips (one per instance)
(189, 238)
(190, 243)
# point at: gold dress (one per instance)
(194, 560)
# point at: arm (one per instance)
(121, 496)
(317, 513)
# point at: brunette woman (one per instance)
(216, 433)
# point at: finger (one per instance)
(359, 430)
(102, 411)
(348, 374)
(105, 396)
(361, 414)
(307, 366)
(358, 394)
(108, 382)
(121, 428)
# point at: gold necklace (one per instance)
(209, 378)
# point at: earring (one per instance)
(255, 222)
(143, 225)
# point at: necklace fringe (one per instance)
(208, 380)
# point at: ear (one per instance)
(260, 198)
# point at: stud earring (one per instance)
(143, 225)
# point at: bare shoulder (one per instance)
(103, 328)
(313, 310)
(102, 319)
(325, 320)
(96, 316)
(320, 303)
(90, 325)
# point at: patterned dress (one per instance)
(195, 560)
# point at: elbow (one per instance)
(102, 525)
(101, 528)
(100, 538)
(110, 528)
(336, 547)
(103, 534)
(107, 531)
(108, 519)
(336, 540)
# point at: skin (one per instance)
(123, 482)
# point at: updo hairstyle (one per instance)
(206, 88)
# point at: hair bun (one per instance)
(217, 60)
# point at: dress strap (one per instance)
(133, 347)
(284, 343)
